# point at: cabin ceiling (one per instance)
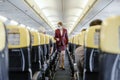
(108, 8)
(67, 11)
(45, 14)
(20, 12)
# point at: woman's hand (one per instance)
(57, 39)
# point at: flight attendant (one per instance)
(61, 38)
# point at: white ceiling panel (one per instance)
(108, 8)
(19, 11)
(47, 13)
(54, 11)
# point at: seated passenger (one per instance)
(79, 52)
(79, 58)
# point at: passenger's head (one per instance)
(96, 22)
(60, 24)
(83, 29)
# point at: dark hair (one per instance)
(96, 22)
(60, 23)
(83, 29)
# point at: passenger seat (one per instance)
(3, 53)
(110, 49)
(19, 53)
(35, 54)
(91, 67)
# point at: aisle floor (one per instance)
(63, 74)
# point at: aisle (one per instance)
(63, 74)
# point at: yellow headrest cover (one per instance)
(54, 41)
(110, 35)
(70, 40)
(81, 38)
(35, 38)
(46, 39)
(92, 37)
(76, 40)
(18, 37)
(73, 40)
(42, 39)
(2, 36)
(52, 38)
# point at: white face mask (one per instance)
(60, 27)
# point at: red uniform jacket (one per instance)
(63, 39)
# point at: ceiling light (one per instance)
(36, 30)
(13, 22)
(28, 27)
(39, 3)
(32, 29)
(4, 19)
(85, 2)
(22, 25)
